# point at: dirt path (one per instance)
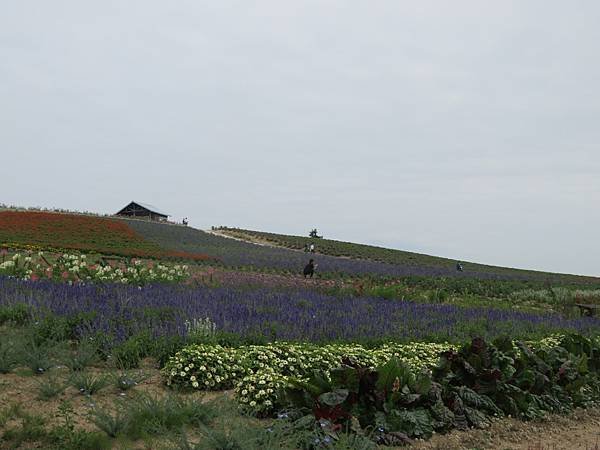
(245, 238)
(577, 431)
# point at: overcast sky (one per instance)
(466, 129)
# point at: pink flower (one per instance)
(34, 277)
(65, 275)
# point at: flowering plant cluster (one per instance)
(34, 230)
(205, 366)
(75, 268)
(258, 372)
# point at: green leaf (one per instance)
(476, 418)
(334, 398)
(393, 370)
(415, 423)
(422, 384)
(346, 377)
(443, 418)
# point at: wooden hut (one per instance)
(144, 211)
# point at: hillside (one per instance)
(392, 256)
(39, 230)
(129, 237)
(333, 257)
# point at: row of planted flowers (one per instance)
(259, 372)
(77, 268)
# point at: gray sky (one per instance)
(467, 129)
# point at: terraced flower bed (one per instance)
(433, 264)
(258, 372)
(239, 254)
(32, 230)
(263, 315)
(74, 268)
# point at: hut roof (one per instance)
(152, 208)
(147, 206)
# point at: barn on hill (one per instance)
(143, 210)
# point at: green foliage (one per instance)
(147, 415)
(18, 314)
(55, 328)
(471, 385)
(84, 355)
(8, 356)
(88, 384)
(112, 424)
(67, 437)
(126, 380)
(259, 371)
(50, 387)
(38, 357)
(29, 429)
(128, 354)
(9, 412)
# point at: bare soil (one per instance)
(577, 431)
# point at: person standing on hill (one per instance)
(459, 266)
(312, 248)
(309, 270)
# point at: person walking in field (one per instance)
(312, 248)
(459, 266)
(309, 270)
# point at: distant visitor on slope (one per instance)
(312, 248)
(185, 221)
(459, 266)
(309, 270)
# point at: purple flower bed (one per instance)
(120, 311)
(235, 253)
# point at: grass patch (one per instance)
(88, 384)
(50, 387)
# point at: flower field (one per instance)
(259, 315)
(412, 263)
(258, 372)
(54, 231)
(239, 254)
(77, 268)
(376, 343)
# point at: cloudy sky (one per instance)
(467, 129)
